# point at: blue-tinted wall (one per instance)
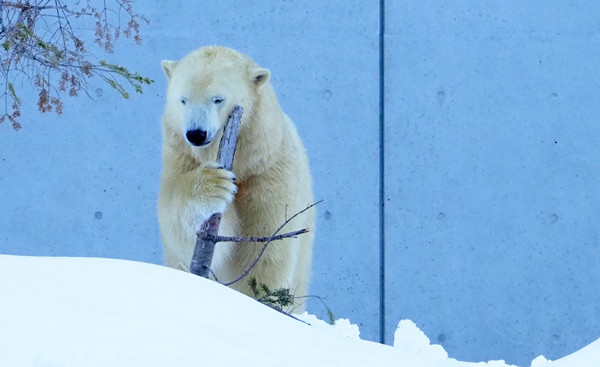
(487, 132)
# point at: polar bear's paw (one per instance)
(216, 186)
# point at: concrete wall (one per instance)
(489, 149)
(492, 175)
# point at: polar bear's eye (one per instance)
(184, 101)
(217, 99)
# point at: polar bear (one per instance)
(270, 181)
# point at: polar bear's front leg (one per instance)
(185, 201)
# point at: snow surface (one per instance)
(59, 312)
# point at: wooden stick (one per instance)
(205, 243)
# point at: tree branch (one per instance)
(261, 239)
(26, 6)
(47, 52)
(1, 18)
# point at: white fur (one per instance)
(271, 170)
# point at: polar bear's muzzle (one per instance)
(197, 137)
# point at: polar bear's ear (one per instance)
(260, 76)
(168, 66)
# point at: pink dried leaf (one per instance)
(43, 105)
(78, 45)
(58, 105)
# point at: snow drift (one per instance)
(60, 312)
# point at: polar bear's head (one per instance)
(203, 88)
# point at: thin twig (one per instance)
(285, 313)
(320, 299)
(214, 275)
(262, 251)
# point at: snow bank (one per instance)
(60, 312)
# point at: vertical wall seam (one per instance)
(381, 171)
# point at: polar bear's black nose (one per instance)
(196, 137)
